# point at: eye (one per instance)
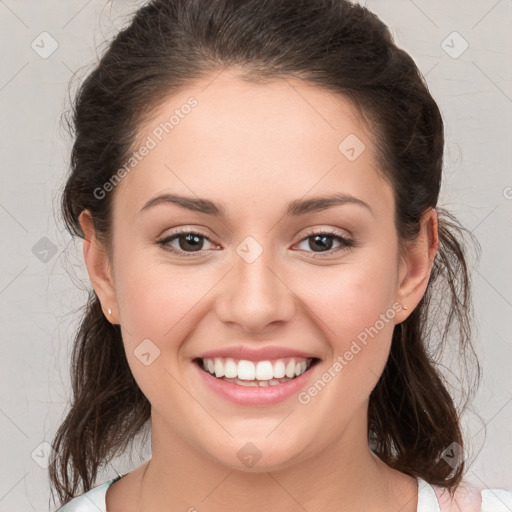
(189, 243)
(323, 240)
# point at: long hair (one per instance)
(334, 44)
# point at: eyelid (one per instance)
(328, 231)
(186, 230)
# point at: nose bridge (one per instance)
(255, 296)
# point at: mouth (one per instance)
(247, 373)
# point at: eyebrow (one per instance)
(294, 208)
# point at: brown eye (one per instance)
(185, 243)
(191, 241)
(323, 241)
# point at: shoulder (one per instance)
(468, 498)
(92, 501)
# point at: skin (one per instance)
(253, 148)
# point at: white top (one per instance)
(430, 499)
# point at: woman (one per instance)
(256, 183)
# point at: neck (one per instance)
(344, 476)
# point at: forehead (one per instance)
(231, 140)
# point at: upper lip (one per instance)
(256, 354)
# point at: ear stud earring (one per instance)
(109, 311)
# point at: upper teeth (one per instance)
(262, 370)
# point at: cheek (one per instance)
(350, 298)
(157, 299)
(158, 306)
(160, 302)
(356, 308)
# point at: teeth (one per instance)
(279, 370)
(263, 373)
(246, 370)
(219, 368)
(230, 369)
(264, 370)
(257, 383)
(290, 369)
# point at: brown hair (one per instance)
(334, 44)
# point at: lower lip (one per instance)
(254, 395)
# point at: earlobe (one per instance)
(416, 264)
(98, 267)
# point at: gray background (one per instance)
(43, 280)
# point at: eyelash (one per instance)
(346, 243)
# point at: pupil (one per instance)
(191, 238)
(323, 243)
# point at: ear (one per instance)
(416, 264)
(98, 267)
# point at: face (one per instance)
(262, 282)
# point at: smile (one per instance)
(251, 373)
(255, 383)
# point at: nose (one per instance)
(255, 294)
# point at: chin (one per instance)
(259, 454)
